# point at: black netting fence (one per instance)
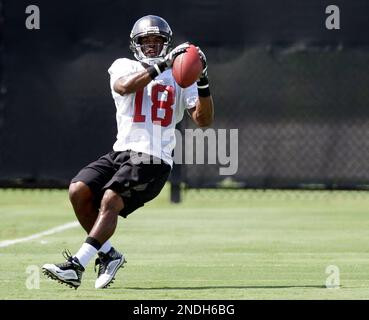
(302, 116)
(2, 84)
(297, 93)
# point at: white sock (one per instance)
(105, 248)
(85, 254)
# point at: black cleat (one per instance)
(69, 272)
(108, 263)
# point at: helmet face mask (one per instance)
(150, 52)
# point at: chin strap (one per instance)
(151, 61)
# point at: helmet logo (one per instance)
(153, 29)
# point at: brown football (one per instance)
(187, 67)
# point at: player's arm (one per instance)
(132, 83)
(139, 80)
(203, 112)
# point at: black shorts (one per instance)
(135, 180)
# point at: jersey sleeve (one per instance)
(119, 68)
(190, 96)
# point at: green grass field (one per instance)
(215, 245)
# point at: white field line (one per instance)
(70, 225)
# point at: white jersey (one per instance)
(146, 119)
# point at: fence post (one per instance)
(175, 184)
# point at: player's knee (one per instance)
(111, 202)
(79, 192)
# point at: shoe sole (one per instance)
(120, 265)
(54, 276)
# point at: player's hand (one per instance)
(204, 63)
(203, 81)
(169, 58)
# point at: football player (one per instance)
(148, 103)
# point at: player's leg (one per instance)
(109, 262)
(85, 207)
(70, 272)
(85, 192)
(106, 222)
(82, 200)
(110, 206)
(103, 228)
(145, 183)
(136, 184)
